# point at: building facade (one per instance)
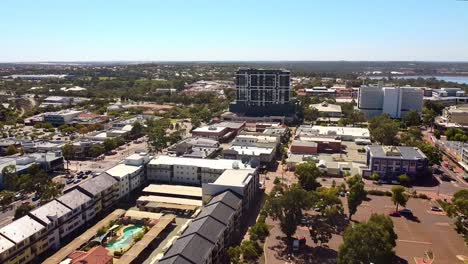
(392, 161)
(394, 101)
(263, 93)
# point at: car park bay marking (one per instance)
(414, 241)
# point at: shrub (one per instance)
(423, 196)
(379, 193)
(118, 253)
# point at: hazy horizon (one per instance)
(208, 31)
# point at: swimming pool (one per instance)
(126, 239)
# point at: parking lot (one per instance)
(426, 231)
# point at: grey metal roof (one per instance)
(74, 199)
(406, 153)
(50, 209)
(304, 143)
(228, 198)
(98, 184)
(192, 247)
(207, 227)
(219, 211)
(175, 260)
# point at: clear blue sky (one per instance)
(85, 30)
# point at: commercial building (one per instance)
(263, 93)
(49, 161)
(320, 91)
(395, 101)
(190, 171)
(61, 117)
(195, 147)
(130, 173)
(391, 161)
(457, 114)
(330, 110)
(343, 133)
(252, 155)
(217, 133)
(303, 147)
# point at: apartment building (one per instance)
(263, 93)
(80, 204)
(103, 190)
(58, 220)
(210, 234)
(391, 161)
(190, 171)
(130, 173)
(23, 240)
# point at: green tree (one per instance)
(412, 118)
(251, 250)
(321, 231)
(6, 198)
(399, 196)
(9, 178)
(137, 130)
(311, 114)
(22, 210)
(383, 129)
(288, 208)
(433, 154)
(328, 203)
(235, 254)
(109, 144)
(259, 230)
(387, 224)
(96, 150)
(307, 173)
(11, 150)
(458, 209)
(356, 196)
(404, 179)
(68, 153)
(368, 242)
(375, 176)
(50, 191)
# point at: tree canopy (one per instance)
(383, 129)
(307, 173)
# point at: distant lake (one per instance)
(457, 79)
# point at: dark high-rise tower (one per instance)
(263, 93)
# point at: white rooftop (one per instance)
(164, 199)
(21, 229)
(220, 164)
(210, 129)
(252, 151)
(174, 189)
(235, 177)
(338, 131)
(5, 244)
(122, 170)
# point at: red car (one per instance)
(394, 214)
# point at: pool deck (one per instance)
(149, 237)
(83, 238)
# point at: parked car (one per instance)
(35, 197)
(305, 221)
(296, 244)
(76, 181)
(25, 203)
(69, 181)
(406, 211)
(436, 209)
(395, 182)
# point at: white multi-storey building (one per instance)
(395, 101)
(189, 171)
(130, 173)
